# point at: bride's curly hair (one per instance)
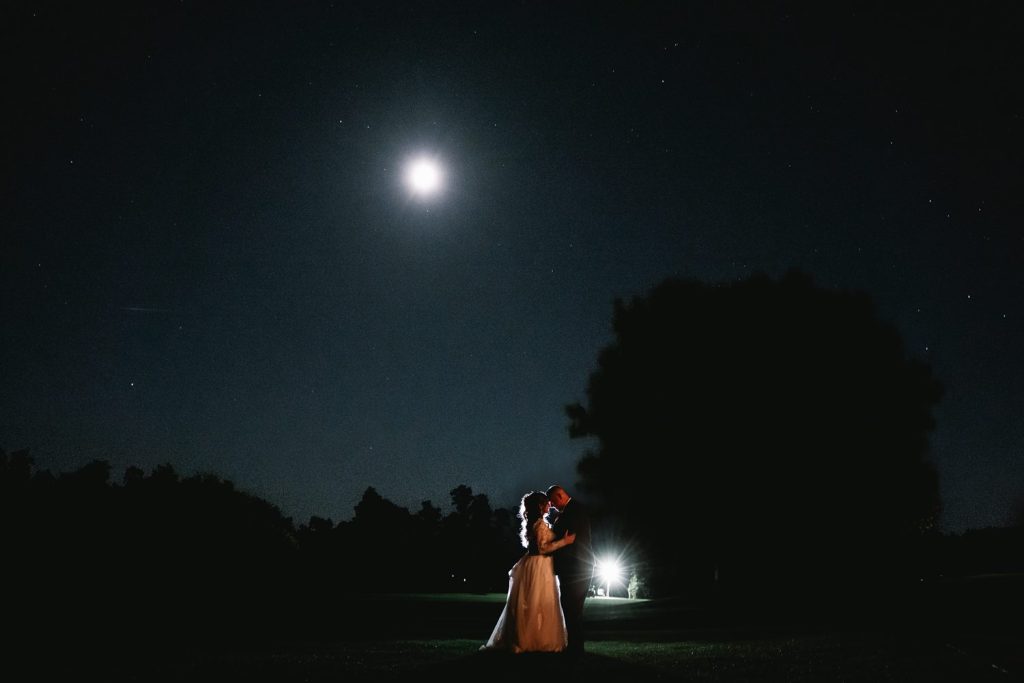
(531, 508)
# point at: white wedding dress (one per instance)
(532, 620)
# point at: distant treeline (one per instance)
(160, 556)
(192, 556)
(198, 537)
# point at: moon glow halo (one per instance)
(423, 176)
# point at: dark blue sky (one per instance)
(210, 257)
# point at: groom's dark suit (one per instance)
(574, 565)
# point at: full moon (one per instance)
(423, 177)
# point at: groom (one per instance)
(574, 563)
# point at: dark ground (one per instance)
(964, 630)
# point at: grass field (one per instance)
(847, 657)
(404, 637)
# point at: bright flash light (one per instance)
(423, 176)
(609, 571)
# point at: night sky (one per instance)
(211, 255)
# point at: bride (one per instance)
(532, 620)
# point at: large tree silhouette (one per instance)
(759, 430)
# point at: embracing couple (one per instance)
(549, 583)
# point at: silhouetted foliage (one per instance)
(156, 559)
(759, 433)
(161, 560)
(993, 550)
(192, 557)
(385, 548)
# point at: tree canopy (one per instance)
(759, 427)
